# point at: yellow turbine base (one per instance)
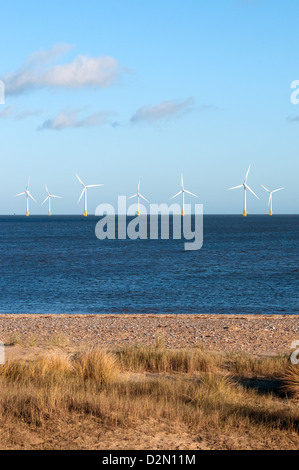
(85, 214)
(50, 214)
(27, 214)
(183, 214)
(271, 213)
(245, 213)
(138, 214)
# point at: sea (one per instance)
(58, 266)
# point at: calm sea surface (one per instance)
(57, 265)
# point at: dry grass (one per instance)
(59, 341)
(159, 359)
(246, 365)
(291, 381)
(42, 371)
(97, 366)
(14, 340)
(78, 402)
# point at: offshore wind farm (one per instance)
(183, 192)
(225, 272)
(228, 248)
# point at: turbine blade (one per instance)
(236, 187)
(47, 189)
(252, 192)
(277, 190)
(45, 200)
(55, 197)
(82, 194)
(31, 197)
(80, 181)
(176, 195)
(94, 186)
(132, 197)
(182, 181)
(191, 194)
(142, 197)
(247, 174)
(21, 194)
(265, 189)
(139, 185)
(270, 199)
(28, 184)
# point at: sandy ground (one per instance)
(259, 335)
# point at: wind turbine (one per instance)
(84, 193)
(271, 197)
(49, 197)
(139, 196)
(245, 187)
(28, 196)
(183, 191)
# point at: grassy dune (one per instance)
(149, 397)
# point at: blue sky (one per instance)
(123, 90)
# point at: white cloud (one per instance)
(164, 110)
(28, 113)
(83, 71)
(7, 112)
(70, 120)
(44, 57)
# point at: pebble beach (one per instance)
(259, 335)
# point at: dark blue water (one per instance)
(57, 265)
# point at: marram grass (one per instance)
(68, 401)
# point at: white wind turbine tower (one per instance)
(271, 197)
(28, 196)
(183, 191)
(245, 187)
(84, 193)
(49, 197)
(139, 196)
